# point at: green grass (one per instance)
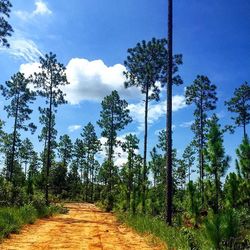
(172, 236)
(13, 218)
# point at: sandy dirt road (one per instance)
(84, 227)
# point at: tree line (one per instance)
(67, 170)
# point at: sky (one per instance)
(91, 38)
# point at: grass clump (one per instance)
(13, 218)
(172, 236)
(10, 221)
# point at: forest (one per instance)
(210, 206)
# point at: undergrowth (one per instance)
(173, 237)
(12, 219)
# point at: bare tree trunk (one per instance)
(145, 154)
(11, 168)
(217, 186)
(110, 180)
(244, 129)
(169, 187)
(129, 181)
(201, 154)
(49, 148)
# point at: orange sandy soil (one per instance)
(84, 227)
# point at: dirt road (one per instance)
(84, 227)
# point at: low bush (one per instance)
(10, 221)
(28, 214)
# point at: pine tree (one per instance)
(79, 155)
(74, 182)
(243, 161)
(202, 93)
(5, 28)
(44, 120)
(21, 96)
(26, 153)
(157, 165)
(240, 105)
(130, 146)
(169, 163)
(218, 162)
(65, 147)
(243, 169)
(91, 146)
(48, 82)
(193, 198)
(33, 175)
(162, 141)
(114, 117)
(2, 136)
(231, 190)
(189, 158)
(58, 178)
(146, 65)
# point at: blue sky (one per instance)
(91, 38)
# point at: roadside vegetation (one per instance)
(210, 208)
(12, 219)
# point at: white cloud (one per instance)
(92, 80)
(40, 10)
(22, 48)
(186, 124)
(89, 80)
(120, 157)
(73, 128)
(155, 111)
(29, 68)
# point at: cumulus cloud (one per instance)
(92, 80)
(22, 48)
(120, 157)
(41, 9)
(89, 80)
(155, 111)
(73, 128)
(29, 68)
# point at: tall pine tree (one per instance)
(130, 146)
(202, 93)
(91, 146)
(49, 82)
(114, 117)
(240, 105)
(21, 96)
(146, 65)
(217, 161)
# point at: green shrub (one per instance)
(28, 214)
(222, 229)
(38, 201)
(10, 221)
(214, 229)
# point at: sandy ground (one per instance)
(84, 227)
